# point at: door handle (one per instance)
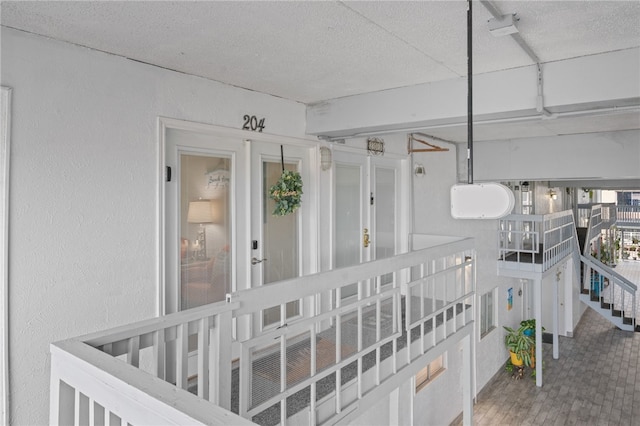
(255, 261)
(365, 238)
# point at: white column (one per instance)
(467, 397)
(537, 307)
(555, 317)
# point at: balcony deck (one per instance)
(532, 244)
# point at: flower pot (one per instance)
(516, 360)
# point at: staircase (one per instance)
(609, 293)
(603, 289)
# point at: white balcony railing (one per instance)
(361, 332)
(535, 243)
(628, 216)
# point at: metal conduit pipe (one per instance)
(524, 46)
(469, 97)
(592, 111)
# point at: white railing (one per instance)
(590, 216)
(609, 214)
(610, 290)
(628, 216)
(137, 374)
(535, 242)
(344, 349)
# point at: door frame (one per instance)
(403, 182)
(243, 250)
(5, 130)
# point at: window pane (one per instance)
(280, 242)
(487, 313)
(204, 229)
(347, 228)
(385, 216)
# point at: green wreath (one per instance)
(287, 193)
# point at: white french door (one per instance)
(278, 249)
(219, 234)
(204, 205)
(367, 200)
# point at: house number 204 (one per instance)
(251, 122)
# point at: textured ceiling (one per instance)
(310, 51)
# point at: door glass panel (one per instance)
(280, 242)
(204, 226)
(348, 196)
(384, 203)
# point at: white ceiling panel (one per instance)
(310, 51)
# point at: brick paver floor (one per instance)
(596, 381)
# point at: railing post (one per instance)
(62, 396)
(467, 377)
(223, 340)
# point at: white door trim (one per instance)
(165, 123)
(5, 129)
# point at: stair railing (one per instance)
(614, 292)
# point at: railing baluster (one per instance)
(182, 356)
(159, 353)
(133, 351)
(203, 357)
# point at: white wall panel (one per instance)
(85, 156)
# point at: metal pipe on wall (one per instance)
(469, 97)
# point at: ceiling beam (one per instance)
(587, 83)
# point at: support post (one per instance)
(537, 307)
(555, 316)
(467, 397)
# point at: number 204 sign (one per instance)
(253, 123)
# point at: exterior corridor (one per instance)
(596, 381)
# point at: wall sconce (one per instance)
(325, 158)
(552, 194)
(419, 170)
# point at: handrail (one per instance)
(544, 239)
(603, 269)
(270, 295)
(610, 290)
(84, 379)
(180, 365)
(146, 327)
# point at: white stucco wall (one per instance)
(84, 191)
(433, 216)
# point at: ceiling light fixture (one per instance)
(504, 25)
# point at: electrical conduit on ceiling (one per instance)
(518, 38)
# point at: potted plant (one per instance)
(529, 327)
(520, 346)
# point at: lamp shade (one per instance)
(200, 212)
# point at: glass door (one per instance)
(366, 202)
(201, 221)
(384, 204)
(276, 242)
(205, 227)
(351, 214)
